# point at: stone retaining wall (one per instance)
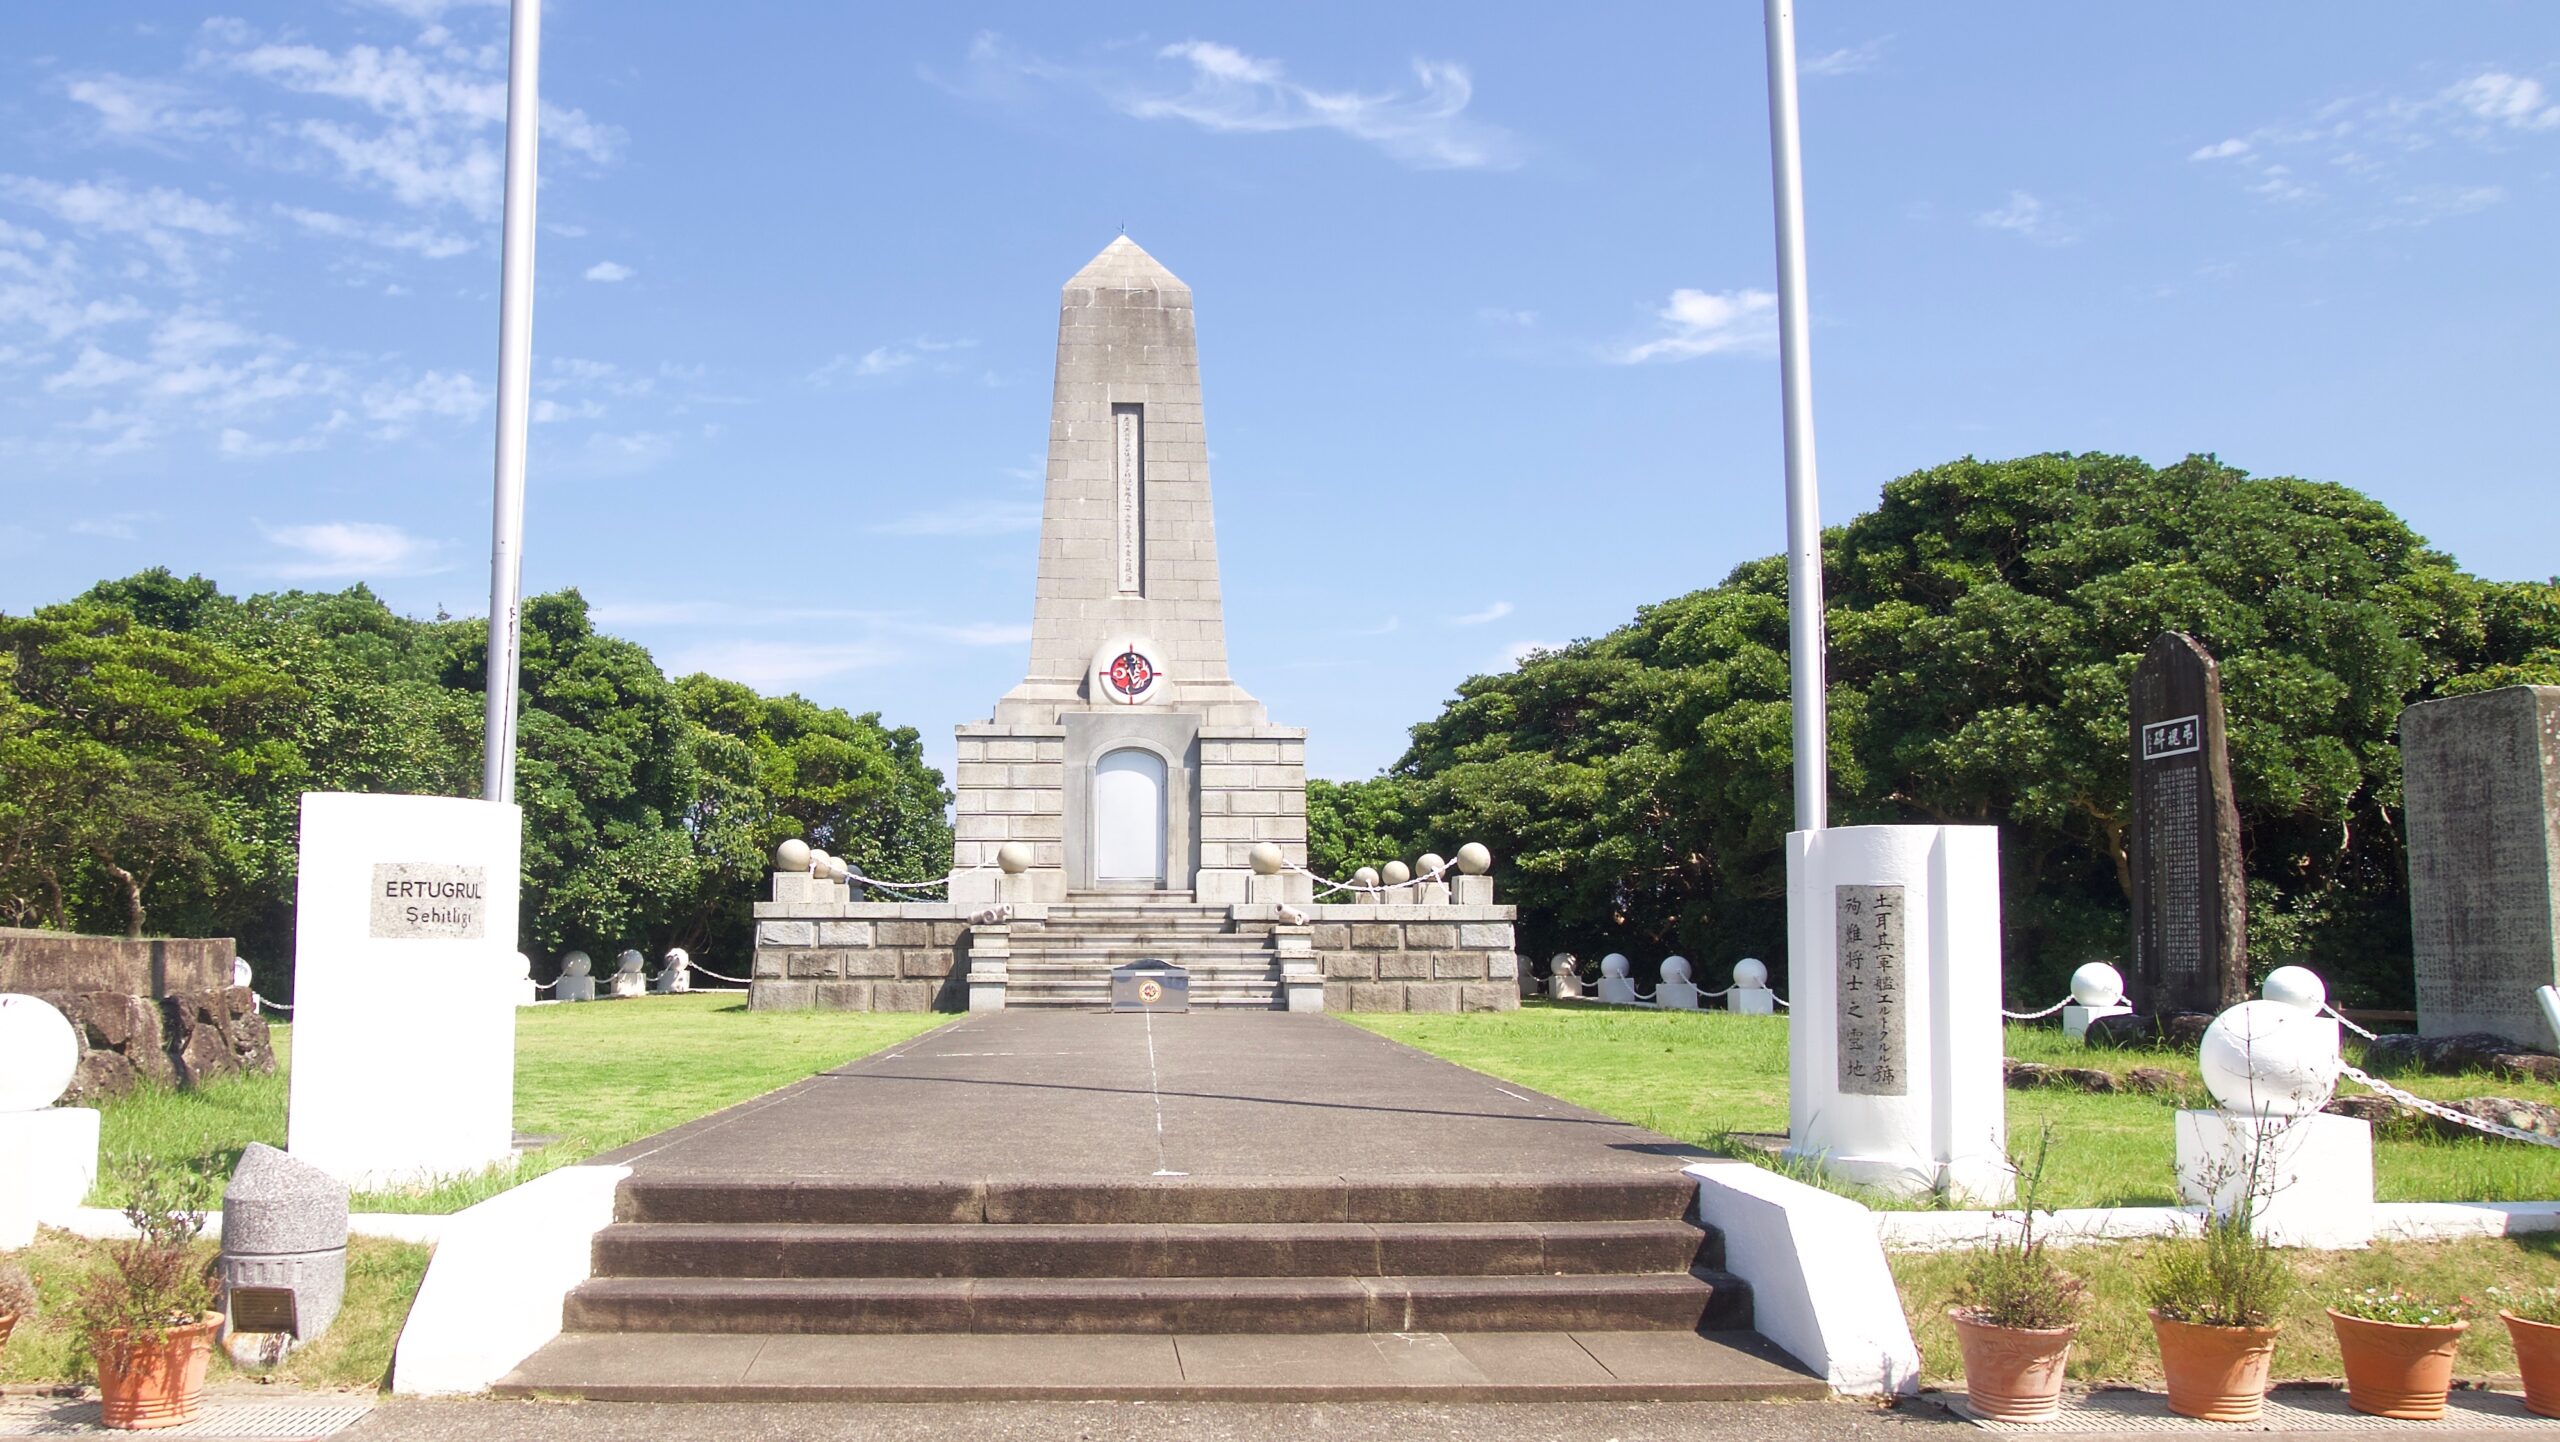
(1413, 958)
(63, 961)
(862, 956)
(183, 1040)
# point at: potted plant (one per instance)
(2398, 1351)
(2533, 1323)
(2215, 1300)
(145, 1314)
(2015, 1315)
(17, 1298)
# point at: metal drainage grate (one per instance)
(2289, 1410)
(63, 1417)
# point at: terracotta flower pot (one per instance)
(8, 1324)
(2395, 1369)
(2538, 1358)
(143, 1384)
(2012, 1374)
(2215, 1374)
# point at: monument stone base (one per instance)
(1751, 1001)
(2076, 1018)
(2313, 1174)
(51, 1162)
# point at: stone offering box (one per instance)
(284, 1255)
(1150, 986)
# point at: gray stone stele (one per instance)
(284, 1226)
(2190, 901)
(2481, 781)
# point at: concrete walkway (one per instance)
(1101, 1096)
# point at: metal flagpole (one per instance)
(1795, 369)
(515, 359)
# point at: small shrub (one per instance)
(2375, 1304)
(2225, 1278)
(2016, 1284)
(155, 1279)
(17, 1291)
(2540, 1304)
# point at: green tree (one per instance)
(1984, 621)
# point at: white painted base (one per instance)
(2314, 1174)
(51, 1161)
(1752, 1001)
(2076, 1226)
(1819, 1285)
(492, 1296)
(1618, 990)
(1676, 996)
(2548, 999)
(1939, 1125)
(986, 993)
(2076, 1018)
(629, 984)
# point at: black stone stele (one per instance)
(2190, 909)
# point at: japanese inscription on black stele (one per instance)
(1871, 995)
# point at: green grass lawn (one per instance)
(591, 1076)
(1696, 1076)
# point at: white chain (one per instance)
(715, 976)
(2037, 1015)
(282, 1008)
(1325, 886)
(2351, 1026)
(853, 875)
(2437, 1109)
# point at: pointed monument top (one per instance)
(1124, 265)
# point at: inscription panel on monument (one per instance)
(1129, 507)
(429, 901)
(2189, 914)
(1870, 997)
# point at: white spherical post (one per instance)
(2298, 987)
(1675, 970)
(1751, 972)
(1366, 878)
(1269, 859)
(2268, 1058)
(1014, 857)
(1397, 873)
(792, 855)
(1474, 859)
(39, 1052)
(2097, 984)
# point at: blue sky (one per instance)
(1483, 301)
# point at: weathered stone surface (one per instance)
(1371, 936)
(844, 933)
(2180, 1029)
(2468, 1051)
(769, 963)
(1458, 965)
(786, 933)
(2154, 1081)
(1331, 935)
(870, 963)
(2523, 1114)
(45, 963)
(1431, 996)
(1488, 998)
(180, 1040)
(1402, 965)
(277, 1203)
(816, 965)
(2481, 779)
(1377, 996)
(1485, 936)
(1337, 996)
(906, 933)
(2190, 907)
(843, 996)
(1351, 965)
(1430, 936)
(902, 996)
(782, 996)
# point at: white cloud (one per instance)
(350, 550)
(1852, 61)
(2028, 218)
(624, 453)
(2432, 203)
(448, 395)
(981, 633)
(968, 518)
(2514, 101)
(882, 360)
(1388, 627)
(419, 240)
(437, 118)
(1226, 91)
(160, 218)
(780, 665)
(2221, 149)
(610, 271)
(121, 526)
(1698, 322)
(130, 109)
(546, 411)
(1494, 612)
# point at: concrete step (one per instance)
(1047, 1201)
(1587, 1367)
(1645, 1302)
(1304, 1249)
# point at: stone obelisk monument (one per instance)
(1128, 759)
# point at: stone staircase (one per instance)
(1065, 959)
(693, 1259)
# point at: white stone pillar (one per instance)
(1893, 945)
(405, 1008)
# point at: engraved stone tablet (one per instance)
(425, 901)
(1129, 468)
(1871, 998)
(2190, 912)
(2482, 778)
